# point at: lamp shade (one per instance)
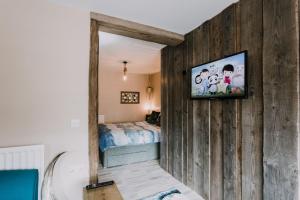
(149, 90)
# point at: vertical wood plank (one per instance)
(216, 126)
(201, 118)
(231, 113)
(177, 99)
(185, 100)
(281, 99)
(93, 102)
(252, 108)
(164, 112)
(239, 116)
(190, 154)
(171, 109)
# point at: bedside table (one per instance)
(103, 193)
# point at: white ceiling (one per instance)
(180, 16)
(143, 57)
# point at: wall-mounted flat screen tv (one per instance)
(223, 78)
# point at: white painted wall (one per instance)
(110, 85)
(155, 80)
(44, 58)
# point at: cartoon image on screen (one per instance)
(221, 78)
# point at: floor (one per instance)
(136, 181)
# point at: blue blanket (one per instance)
(19, 184)
(124, 134)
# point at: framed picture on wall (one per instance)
(130, 97)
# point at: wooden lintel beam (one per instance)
(135, 30)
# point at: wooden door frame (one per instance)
(93, 102)
(104, 23)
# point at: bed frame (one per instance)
(129, 154)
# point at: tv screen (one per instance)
(223, 78)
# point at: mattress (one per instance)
(127, 134)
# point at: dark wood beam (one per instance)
(135, 30)
(93, 103)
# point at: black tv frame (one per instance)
(245, 96)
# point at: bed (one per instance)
(125, 143)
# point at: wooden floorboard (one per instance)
(136, 181)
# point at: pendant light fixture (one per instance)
(149, 92)
(149, 88)
(125, 71)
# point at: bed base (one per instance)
(129, 154)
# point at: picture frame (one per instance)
(129, 97)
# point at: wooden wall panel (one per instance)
(223, 141)
(171, 109)
(281, 99)
(216, 125)
(252, 108)
(164, 111)
(185, 101)
(201, 118)
(177, 99)
(231, 112)
(189, 133)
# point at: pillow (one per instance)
(152, 119)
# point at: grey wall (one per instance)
(236, 149)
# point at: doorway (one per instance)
(117, 26)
